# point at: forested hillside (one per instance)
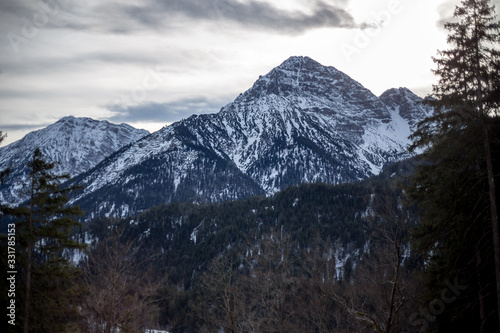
(338, 232)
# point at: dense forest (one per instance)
(311, 243)
(414, 249)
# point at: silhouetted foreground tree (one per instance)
(44, 226)
(459, 234)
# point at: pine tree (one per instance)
(44, 226)
(454, 234)
(457, 141)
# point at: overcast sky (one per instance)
(152, 62)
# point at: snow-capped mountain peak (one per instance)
(76, 144)
(301, 122)
(403, 101)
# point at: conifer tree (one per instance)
(44, 226)
(467, 104)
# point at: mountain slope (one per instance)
(306, 123)
(166, 166)
(300, 123)
(404, 102)
(77, 144)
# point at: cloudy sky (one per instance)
(152, 62)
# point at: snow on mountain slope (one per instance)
(404, 102)
(76, 144)
(304, 122)
(166, 166)
(301, 122)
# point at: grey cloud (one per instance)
(17, 8)
(162, 112)
(38, 14)
(254, 14)
(6, 128)
(160, 15)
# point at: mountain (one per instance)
(300, 123)
(77, 144)
(405, 103)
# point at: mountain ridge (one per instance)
(75, 144)
(300, 123)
